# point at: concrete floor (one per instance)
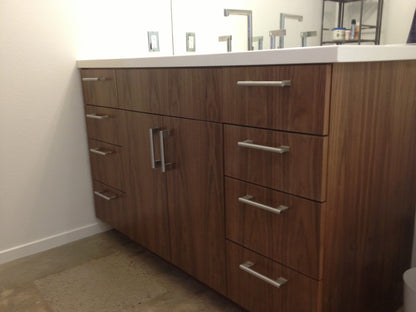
(106, 273)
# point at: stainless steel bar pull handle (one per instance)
(107, 195)
(162, 135)
(246, 266)
(282, 83)
(97, 116)
(249, 144)
(99, 151)
(247, 199)
(154, 163)
(94, 79)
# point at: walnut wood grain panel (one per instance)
(113, 211)
(143, 89)
(371, 185)
(302, 107)
(102, 92)
(196, 199)
(293, 237)
(194, 93)
(107, 129)
(299, 294)
(301, 171)
(107, 168)
(146, 185)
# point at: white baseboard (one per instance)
(51, 242)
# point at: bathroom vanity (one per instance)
(284, 180)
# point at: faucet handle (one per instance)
(227, 38)
(275, 33)
(305, 34)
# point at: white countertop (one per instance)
(308, 55)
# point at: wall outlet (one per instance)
(153, 41)
(190, 42)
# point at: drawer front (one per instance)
(105, 124)
(110, 206)
(297, 293)
(297, 166)
(301, 107)
(99, 87)
(181, 92)
(280, 226)
(106, 163)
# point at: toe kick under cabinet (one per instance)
(286, 188)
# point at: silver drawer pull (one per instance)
(107, 195)
(94, 79)
(282, 83)
(246, 266)
(249, 144)
(247, 200)
(99, 151)
(155, 163)
(96, 116)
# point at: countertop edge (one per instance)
(308, 55)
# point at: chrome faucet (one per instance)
(283, 17)
(249, 14)
(305, 34)
(259, 39)
(228, 39)
(275, 33)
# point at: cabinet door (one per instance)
(146, 185)
(195, 198)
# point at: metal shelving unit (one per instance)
(363, 26)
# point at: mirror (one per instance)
(118, 29)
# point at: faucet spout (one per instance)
(249, 14)
(283, 17)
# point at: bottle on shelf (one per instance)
(357, 31)
(353, 25)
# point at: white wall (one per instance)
(45, 186)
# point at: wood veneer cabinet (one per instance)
(298, 196)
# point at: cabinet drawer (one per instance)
(297, 293)
(182, 92)
(110, 205)
(289, 232)
(300, 171)
(99, 87)
(104, 124)
(106, 163)
(301, 107)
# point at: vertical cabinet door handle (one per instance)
(154, 163)
(246, 267)
(162, 135)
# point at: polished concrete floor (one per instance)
(106, 273)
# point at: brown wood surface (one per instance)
(102, 92)
(302, 107)
(301, 171)
(111, 211)
(108, 129)
(371, 186)
(147, 186)
(107, 168)
(292, 238)
(195, 199)
(184, 92)
(194, 93)
(143, 89)
(299, 294)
